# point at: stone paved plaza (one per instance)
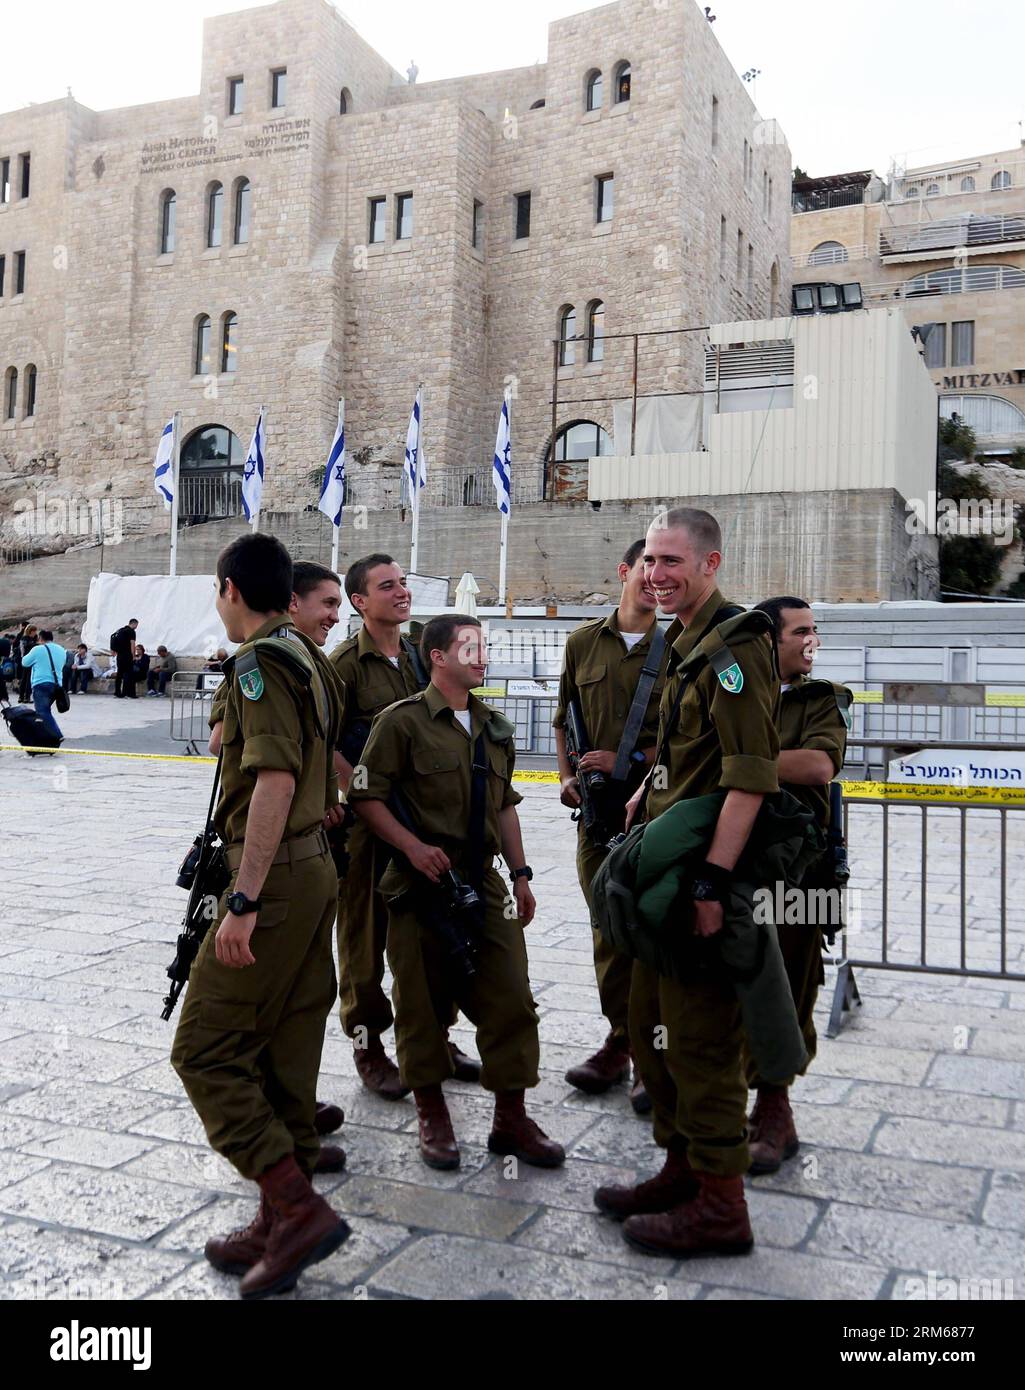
(913, 1120)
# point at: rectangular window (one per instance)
(236, 96)
(3, 268)
(476, 231)
(962, 343)
(243, 202)
(722, 245)
(26, 175)
(715, 123)
(604, 206)
(403, 216)
(376, 220)
(747, 164)
(522, 216)
(30, 391)
(5, 180)
(768, 209)
(19, 272)
(278, 83)
(750, 271)
(936, 346)
(740, 255)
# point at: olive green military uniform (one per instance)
(372, 683)
(811, 717)
(602, 674)
(722, 739)
(419, 748)
(249, 1040)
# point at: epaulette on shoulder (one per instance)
(499, 727)
(818, 686)
(588, 625)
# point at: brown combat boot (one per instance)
(238, 1252)
(328, 1118)
(714, 1223)
(377, 1071)
(611, 1063)
(331, 1159)
(302, 1231)
(466, 1069)
(514, 1132)
(639, 1098)
(773, 1135)
(438, 1147)
(674, 1184)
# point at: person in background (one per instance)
(122, 644)
(160, 672)
(6, 660)
(27, 638)
(45, 663)
(140, 663)
(84, 667)
(215, 663)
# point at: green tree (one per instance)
(956, 440)
(969, 564)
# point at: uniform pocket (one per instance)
(227, 1016)
(591, 674)
(273, 913)
(427, 761)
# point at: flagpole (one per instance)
(336, 529)
(260, 421)
(416, 487)
(504, 542)
(176, 435)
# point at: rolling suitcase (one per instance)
(28, 728)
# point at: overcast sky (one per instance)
(853, 84)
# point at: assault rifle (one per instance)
(593, 786)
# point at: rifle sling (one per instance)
(478, 805)
(639, 705)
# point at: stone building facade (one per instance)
(252, 205)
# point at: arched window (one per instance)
(583, 439)
(537, 105)
(774, 290)
(210, 485)
(933, 191)
(201, 365)
(1000, 180)
(567, 332)
(595, 331)
(913, 191)
(229, 342)
(214, 214)
(968, 184)
(970, 279)
(10, 393)
(621, 83)
(168, 204)
(593, 91)
(30, 390)
(243, 203)
(344, 102)
(828, 253)
(985, 414)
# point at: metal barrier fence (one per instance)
(192, 694)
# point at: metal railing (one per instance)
(15, 554)
(969, 229)
(192, 694)
(451, 487)
(834, 255)
(817, 200)
(206, 498)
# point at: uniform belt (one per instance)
(309, 846)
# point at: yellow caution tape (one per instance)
(109, 753)
(921, 791)
(995, 699)
(868, 697)
(489, 692)
(532, 774)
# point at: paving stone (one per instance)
(107, 1203)
(93, 1147)
(897, 1239)
(932, 1105)
(44, 964)
(421, 1206)
(571, 1186)
(590, 1236)
(791, 1275)
(884, 1183)
(847, 1057)
(482, 1270)
(821, 1090)
(84, 1103)
(473, 1114)
(381, 1154)
(981, 1076)
(34, 1056)
(972, 1146)
(35, 1265)
(1005, 1205)
(15, 1166)
(834, 1126)
(194, 1167)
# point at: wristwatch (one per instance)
(526, 872)
(711, 882)
(704, 891)
(239, 905)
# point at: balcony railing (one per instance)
(971, 229)
(816, 200)
(209, 497)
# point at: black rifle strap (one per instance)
(478, 808)
(639, 705)
(722, 615)
(409, 647)
(213, 790)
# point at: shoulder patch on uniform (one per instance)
(731, 678)
(251, 684)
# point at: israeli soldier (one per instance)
(249, 1040)
(614, 668)
(378, 666)
(813, 723)
(717, 733)
(450, 759)
(316, 599)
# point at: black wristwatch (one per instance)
(711, 882)
(526, 872)
(239, 905)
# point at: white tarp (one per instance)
(665, 425)
(179, 613)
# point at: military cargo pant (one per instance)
(687, 1042)
(249, 1040)
(612, 970)
(802, 955)
(497, 1000)
(362, 933)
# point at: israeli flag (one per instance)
(416, 459)
(163, 466)
(502, 471)
(252, 475)
(332, 492)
